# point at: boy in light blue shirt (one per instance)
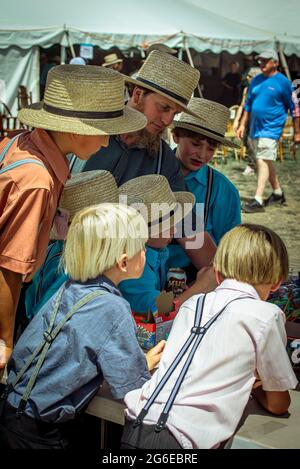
(197, 140)
(163, 210)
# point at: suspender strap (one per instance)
(16, 163)
(197, 334)
(175, 363)
(7, 147)
(210, 178)
(159, 162)
(20, 163)
(49, 335)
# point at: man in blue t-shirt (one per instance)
(270, 97)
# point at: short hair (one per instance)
(98, 236)
(182, 132)
(130, 87)
(252, 254)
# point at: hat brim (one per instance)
(264, 57)
(206, 133)
(155, 90)
(112, 63)
(182, 199)
(35, 116)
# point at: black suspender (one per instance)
(191, 344)
(210, 178)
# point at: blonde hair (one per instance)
(253, 254)
(98, 236)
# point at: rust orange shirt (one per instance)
(29, 196)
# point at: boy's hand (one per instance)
(5, 353)
(154, 355)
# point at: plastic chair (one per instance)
(287, 137)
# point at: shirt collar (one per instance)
(235, 285)
(53, 156)
(200, 175)
(104, 282)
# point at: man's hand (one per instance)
(154, 355)
(240, 133)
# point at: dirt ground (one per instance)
(285, 220)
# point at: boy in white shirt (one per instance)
(245, 341)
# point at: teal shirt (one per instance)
(46, 281)
(141, 293)
(224, 209)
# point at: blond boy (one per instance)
(247, 339)
(98, 342)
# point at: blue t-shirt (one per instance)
(224, 210)
(141, 293)
(98, 343)
(268, 101)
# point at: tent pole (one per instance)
(283, 60)
(70, 44)
(191, 62)
(63, 54)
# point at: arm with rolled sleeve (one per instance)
(121, 360)
(274, 367)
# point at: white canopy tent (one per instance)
(178, 23)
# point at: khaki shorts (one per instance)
(264, 148)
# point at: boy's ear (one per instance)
(123, 263)
(137, 95)
(175, 137)
(276, 285)
(219, 277)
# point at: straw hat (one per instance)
(211, 121)
(83, 100)
(89, 188)
(161, 207)
(162, 47)
(111, 59)
(168, 76)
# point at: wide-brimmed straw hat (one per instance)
(88, 188)
(168, 76)
(83, 100)
(162, 48)
(152, 196)
(211, 121)
(111, 59)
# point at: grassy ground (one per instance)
(285, 220)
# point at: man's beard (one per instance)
(145, 139)
(149, 141)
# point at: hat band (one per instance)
(164, 217)
(217, 134)
(82, 114)
(164, 90)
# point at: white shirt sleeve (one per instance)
(273, 364)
